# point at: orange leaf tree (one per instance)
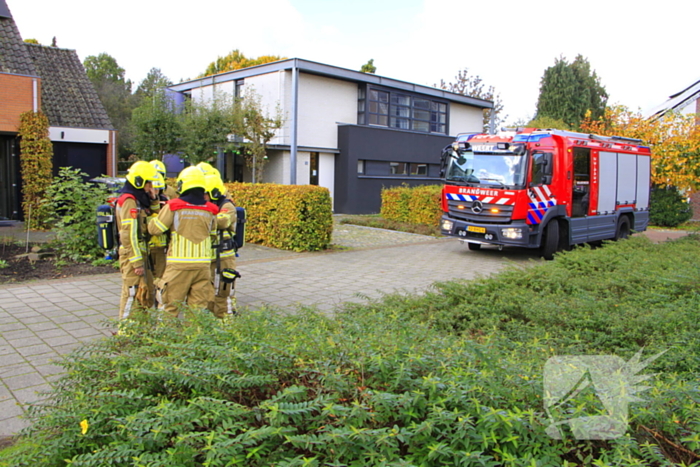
(674, 140)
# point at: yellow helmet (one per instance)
(190, 177)
(159, 182)
(214, 186)
(160, 167)
(207, 168)
(141, 172)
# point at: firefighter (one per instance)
(223, 263)
(207, 168)
(137, 199)
(190, 220)
(168, 191)
(158, 244)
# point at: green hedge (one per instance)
(415, 205)
(668, 207)
(288, 217)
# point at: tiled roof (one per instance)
(68, 97)
(13, 54)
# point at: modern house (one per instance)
(686, 102)
(351, 132)
(35, 77)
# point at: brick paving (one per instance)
(44, 320)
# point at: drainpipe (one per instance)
(295, 111)
(35, 95)
(113, 137)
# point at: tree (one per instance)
(206, 126)
(114, 91)
(473, 86)
(369, 67)
(674, 141)
(256, 128)
(32, 41)
(154, 82)
(157, 127)
(235, 60)
(548, 122)
(568, 91)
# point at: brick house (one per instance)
(53, 80)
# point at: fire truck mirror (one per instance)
(547, 165)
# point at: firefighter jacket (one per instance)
(190, 228)
(225, 222)
(131, 221)
(170, 192)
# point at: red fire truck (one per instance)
(546, 189)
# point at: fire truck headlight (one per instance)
(513, 233)
(447, 225)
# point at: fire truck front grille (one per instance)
(485, 216)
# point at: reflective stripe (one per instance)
(134, 238)
(160, 225)
(183, 250)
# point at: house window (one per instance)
(397, 168)
(374, 168)
(378, 109)
(419, 169)
(239, 89)
(400, 110)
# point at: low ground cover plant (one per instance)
(450, 377)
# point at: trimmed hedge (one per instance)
(288, 217)
(415, 205)
(668, 207)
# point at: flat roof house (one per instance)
(53, 80)
(351, 132)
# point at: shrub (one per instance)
(289, 217)
(36, 162)
(451, 377)
(71, 205)
(668, 207)
(415, 205)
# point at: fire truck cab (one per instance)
(546, 189)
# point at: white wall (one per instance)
(323, 102)
(271, 88)
(464, 118)
(326, 171)
(78, 135)
(303, 166)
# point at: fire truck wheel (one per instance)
(623, 228)
(550, 242)
(474, 246)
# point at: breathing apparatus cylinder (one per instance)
(105, 227)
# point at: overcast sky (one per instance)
(643, 51)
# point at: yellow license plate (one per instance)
(471, 228)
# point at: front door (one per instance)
(313, 169)
(9, 179)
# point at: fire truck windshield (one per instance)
(504, 169)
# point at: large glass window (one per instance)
(401, 110)
(378, 107)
